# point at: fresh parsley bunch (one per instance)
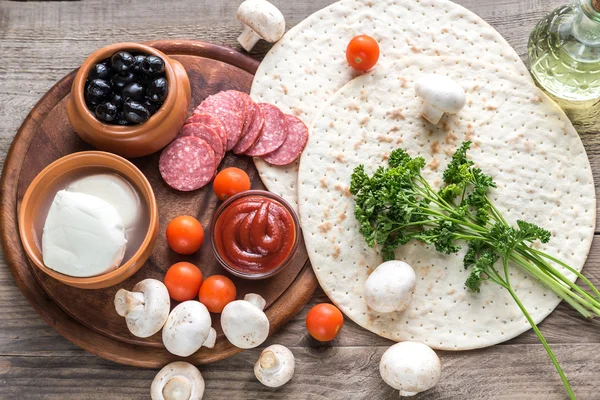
(396, 205)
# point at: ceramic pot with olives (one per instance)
(129, 99)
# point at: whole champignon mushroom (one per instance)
(188, 328)
(390, 287)
(145, 308)
(262, 20)
(440, 95)
(410, 367)
(244, 323)
(275, 366)
(178, 381)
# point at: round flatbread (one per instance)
(187, 164)
(520, 138)
(308, 65)
(273, 132)
(295, 141)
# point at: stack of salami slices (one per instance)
(227, 121)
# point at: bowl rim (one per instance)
(146, 190)
(288, 259)
(118, 131)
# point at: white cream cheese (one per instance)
(113, 189)
(83, 235)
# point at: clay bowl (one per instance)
(41, 192)
(135, 140)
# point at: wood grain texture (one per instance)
(42, 41)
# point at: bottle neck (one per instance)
(586, 27)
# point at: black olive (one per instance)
(153, 65)
(121, 61)
(91, 101)
(99, 71)
(137, 63)
(119, 81)
(121, 120)
(151, 106)
(97, 91)
(106, 112)
(117, 100)
(158, 90)
(135, 112)
(134, 91)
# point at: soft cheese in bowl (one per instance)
(89, 220)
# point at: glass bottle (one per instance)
(564, 59)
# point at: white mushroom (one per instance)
(244, 323)
(145, 308)
(410, 367)
(275, 366)
(177, 381)
(440, 95)
(262, 20)
(188, 328)
(390, 287)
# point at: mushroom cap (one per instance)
(275, 366)
(441, 92)
(188, 327)
(263, 18)
(390, 287)
(410, 367)
(245, 325)
(148, 316)
(177, 381)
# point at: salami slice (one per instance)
(187, 164)
(251, 136)
(294, 144)
(204, 132)
(213, 123)
(228, 113)
(273, 131)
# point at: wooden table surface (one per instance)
(40, 42)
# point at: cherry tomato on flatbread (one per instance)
(183, 281)
(324, 322)
(362, 52)
(230, 181)
(185, 234)
(216, 292)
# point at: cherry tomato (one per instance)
(185, 234)
(324, 321)
(362, 52)
(230, 181)
(216, 292)
(183, 281)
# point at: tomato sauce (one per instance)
(255, 234)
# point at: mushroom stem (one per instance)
(210, 339)
(177, 388)
(129, 304)
(269, 361)
(256, 300)
(431, 113)
(248, 38)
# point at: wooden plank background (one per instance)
(40, 42)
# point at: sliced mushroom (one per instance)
(275, 366)
(390, 287)
(262, 20)
(440, 95)
(177, 381)
(145, 308)
(244, 323)
(188, 328)
(410, 367)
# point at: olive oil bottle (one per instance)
(564, 59)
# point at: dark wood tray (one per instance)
(87, 317)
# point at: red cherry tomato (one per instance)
(216, 292)
(230, 181)
(324, 322)
(183, 281)
(185, 234)
(362, 52)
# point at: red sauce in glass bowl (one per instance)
(255, 234)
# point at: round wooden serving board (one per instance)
(87, 317)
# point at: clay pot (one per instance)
(42, 190)
(135, 140)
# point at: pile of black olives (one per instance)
(126, 89)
